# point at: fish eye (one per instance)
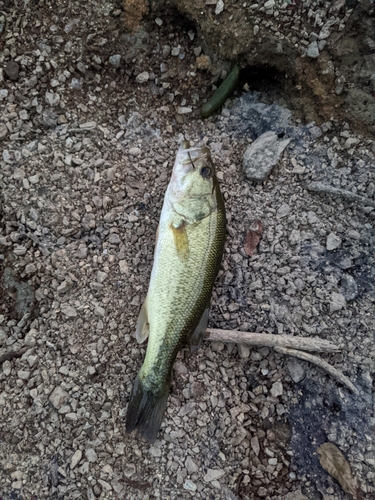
(206, 172)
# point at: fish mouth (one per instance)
(189, 156)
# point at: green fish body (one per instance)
(188, 251)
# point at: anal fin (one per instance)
(143, 328)
(197, 337)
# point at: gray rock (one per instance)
(52, 98)
(166, 51)
(3, 131)
(7, 368)
(49, 118)
(213, 475)
(243, 351)
(91, 455)
(349, 287)
(76, 83)
(337, 302)
(296, 370)
(283, 211)
(115, 60)
(31, 82)
(295, 495)
(81, 67)
(262, 155)
(12, 70)
(69, 311)
(101, 276)
(333, 241)
(58, 397)
(114, 238)
(23, 115)
(189, 485)
(99, 311)
(190, 465)
(155, 451)
(34, 179)
(295, 237)
(71, 416)
(313, 50)
(180, 368)
(255, 445)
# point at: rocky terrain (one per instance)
(91, 115)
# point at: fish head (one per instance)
(193, 183)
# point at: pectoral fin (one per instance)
(197, 337)
(181, 241)
(143, 328)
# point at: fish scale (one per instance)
(187, 257)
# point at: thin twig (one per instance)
(270, 340)
(340, 377)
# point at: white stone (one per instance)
(276, 389)
(75, 459)
(143, 77)
(213, 474)
(219, 7)
(262, 155)
(184, 110)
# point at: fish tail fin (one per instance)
(146, 410)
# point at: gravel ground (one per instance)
(90, 122)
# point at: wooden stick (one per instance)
(285, 344)
(340, 377)
(270, 340)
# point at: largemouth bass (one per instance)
(188, 251)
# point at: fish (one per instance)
(188, 251)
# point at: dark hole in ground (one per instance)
(274, 86)
(264, 79)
